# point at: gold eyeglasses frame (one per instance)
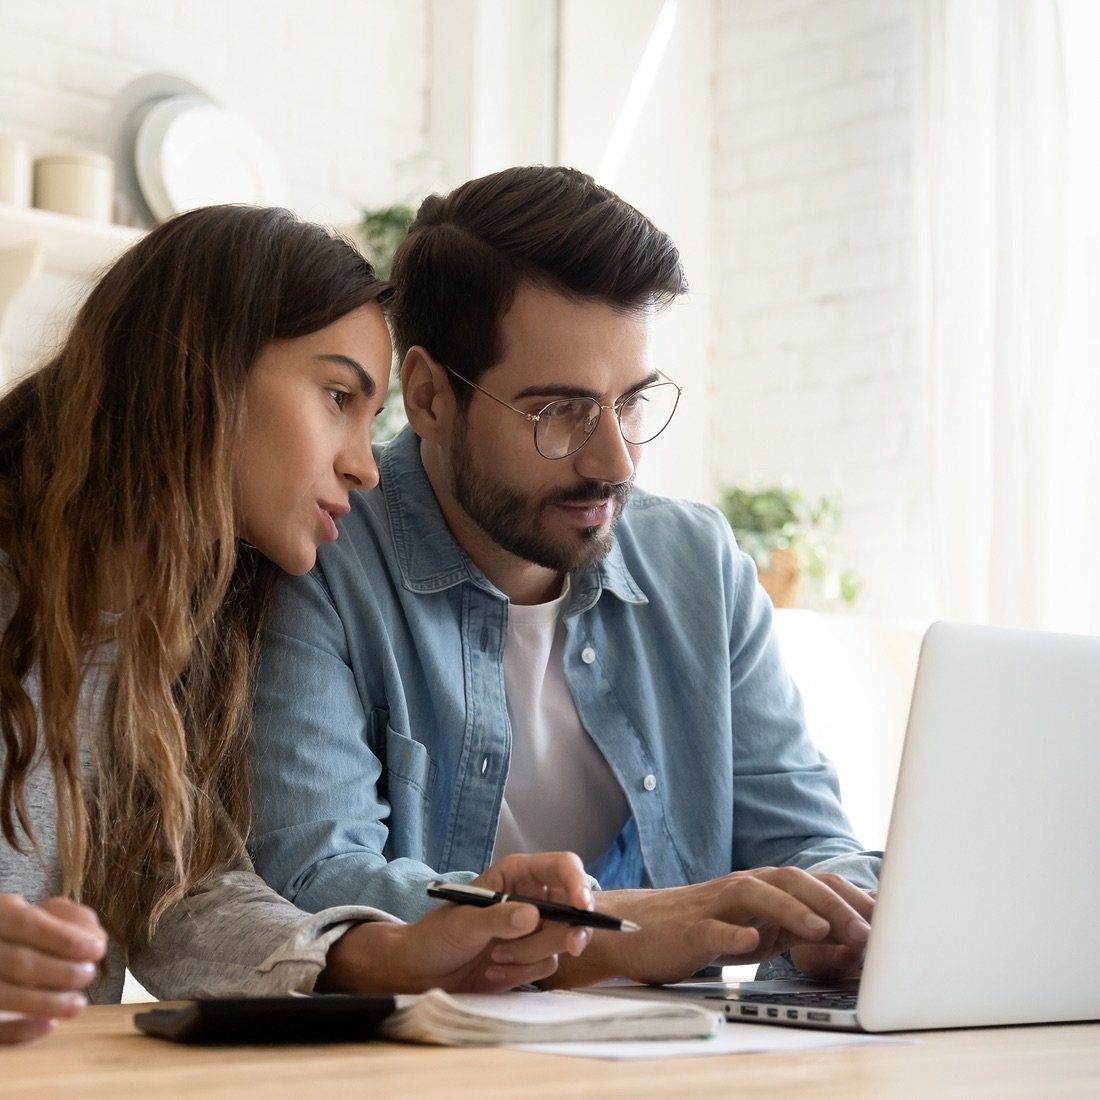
(537, 418)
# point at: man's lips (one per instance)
(589, 513)
(592, 505)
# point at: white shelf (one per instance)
(70, 245)
(33, 241)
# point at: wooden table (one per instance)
(101, 1055)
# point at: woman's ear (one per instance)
(427, 393)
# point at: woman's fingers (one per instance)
(524, 935)
(22, 1029)
(56, 927)
(25, 966)
(559, 876)
(498, 978)
(551, 940)
(40, 1002)
(80, 915)
(48, 954)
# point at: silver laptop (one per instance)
(988, 909)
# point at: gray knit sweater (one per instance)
(234, 937)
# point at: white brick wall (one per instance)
(337, 87)
(817, 375)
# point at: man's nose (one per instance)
(606, 456)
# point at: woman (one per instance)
(200, 430)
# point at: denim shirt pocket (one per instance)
(407, 783)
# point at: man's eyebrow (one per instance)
(551, 390)
(366, 383)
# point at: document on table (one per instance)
(478, 1019)
(734, 1038)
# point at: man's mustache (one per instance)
(593, 492)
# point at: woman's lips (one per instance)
(329, 514)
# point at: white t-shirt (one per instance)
(560, 793)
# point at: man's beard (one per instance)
(513, 521)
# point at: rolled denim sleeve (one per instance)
(788, 809)
(321, 819)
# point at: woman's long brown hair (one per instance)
(117, 496)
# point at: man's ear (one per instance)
(427, 393)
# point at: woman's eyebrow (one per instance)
(366, 383)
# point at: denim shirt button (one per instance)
(650, 782)
(484, 765)
(588, 654)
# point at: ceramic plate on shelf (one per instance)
(128, 110)
(191, 152)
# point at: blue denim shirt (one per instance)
(382, 735)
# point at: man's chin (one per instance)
(588, 548)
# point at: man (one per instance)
(510, 648)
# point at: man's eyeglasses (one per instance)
(566, 424)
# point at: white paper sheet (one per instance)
(734, 1038)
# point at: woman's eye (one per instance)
(340, 397)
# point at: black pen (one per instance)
(462, 894)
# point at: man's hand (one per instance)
(48, 954)
(462, 947)
(743, 917)
(829, 962)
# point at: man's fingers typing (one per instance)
(804, 905)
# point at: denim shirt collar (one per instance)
(431, 560)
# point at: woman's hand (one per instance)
(462, 947)
(48, 954)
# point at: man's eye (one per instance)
(566, 410)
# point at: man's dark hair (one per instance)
(466, 253)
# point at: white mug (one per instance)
(80, 184)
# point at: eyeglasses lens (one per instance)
(565, 426)
(645, 414)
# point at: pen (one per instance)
(462, 894)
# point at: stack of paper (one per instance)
(477, 1019)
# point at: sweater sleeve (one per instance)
(236, 937)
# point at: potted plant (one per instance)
(789, 539)
(378, 233)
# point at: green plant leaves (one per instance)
(766, 518)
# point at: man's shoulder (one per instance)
(660, 536)
(654, 514)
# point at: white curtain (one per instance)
(1008, 130)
